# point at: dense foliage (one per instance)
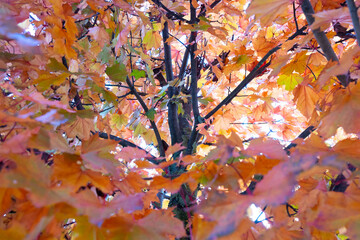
(166, 119)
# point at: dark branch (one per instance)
(258, 69)
(253, 74)
(355, 18)
(126, 143)
(172, 107)
(302, 135)
(146, 109)
(193, 85)
(171, 13)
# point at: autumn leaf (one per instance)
(269, 155)
(100, 35)
(267, 10)
(80, 127)
(290, 81)
(151, 114)
(226, 209)
(152, 39)
(117, 72)
(129, 153)
(70, 172)
(306, 99)
(146, 226)
(122, 37)
(269, 148)
(87, 203)
(276, 187)
(171, 185)
(348, 150)
(345, 108)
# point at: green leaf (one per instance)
(138, 74)
(150, 75)
(206, 100)
(109, 96)
(151, 114)
(139, 130)
(290, 81)
(180, 109)
(55, 66)
(105, 55)
(117, 72)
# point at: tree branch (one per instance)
(355, 18)
(126, 143)
(302, 135)
(216, 2)
(321, 38)
(258, 69)
(146, 109)
(185, 58)
(173, 120)
(171, 13)
(193, 85)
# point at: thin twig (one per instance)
(146, 109)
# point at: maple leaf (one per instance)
(297, 64)
(80, 127)
(96, 155)
(171, 185)
(130, 153)
(324, 18)
(117, 72)
(345, 108)
(269, 148)
(87, 203)
(276, 187)
(100, 35)
(122, 37)
(144, 227)
(152, 39)
(226, 209)
(267, 10)
(348, 150)
(42, 193)
(290, 81)
(306, 99)
(69, 171)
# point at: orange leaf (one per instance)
(81, 128)
(267, 10)
(305, 98)
(345, 108)
(270, 148)
(276, 187)
(69, 170)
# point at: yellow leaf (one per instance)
(152, 39)
(297, 64)
(290, 81)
